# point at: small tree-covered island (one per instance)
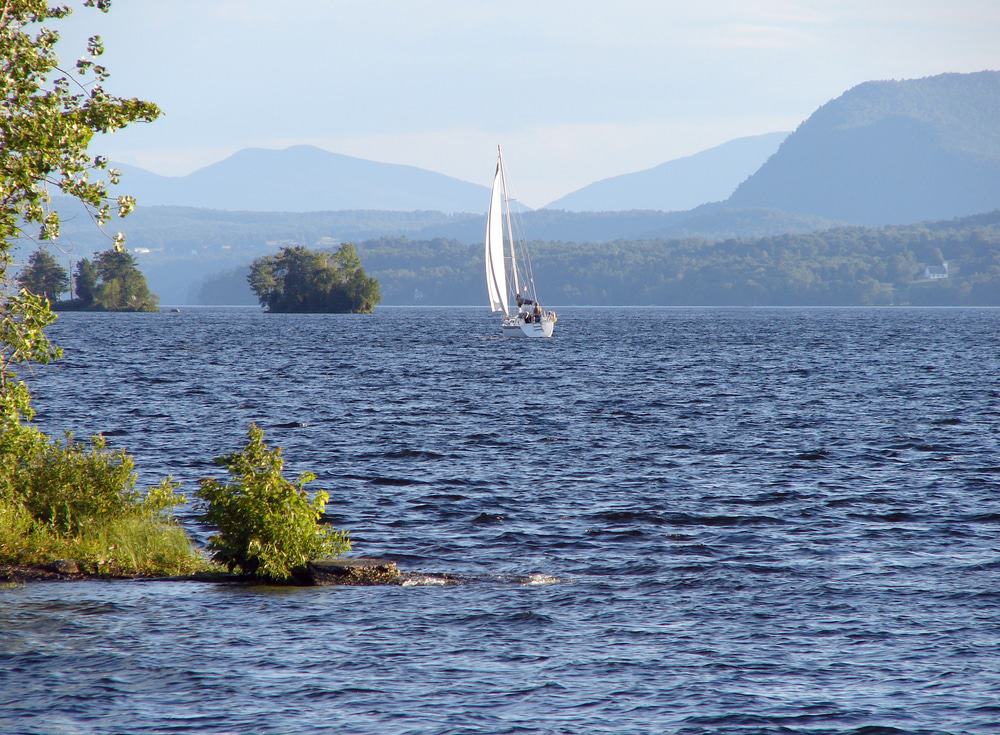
(299, 280)
(111, 282)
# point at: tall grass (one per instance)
(72, 501)
(134, 546)
(122, 547)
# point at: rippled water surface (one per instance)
(760, 520)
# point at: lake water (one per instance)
(669, 520)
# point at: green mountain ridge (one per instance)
(890, 152)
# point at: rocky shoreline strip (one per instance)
(329, 572)
(361, 571)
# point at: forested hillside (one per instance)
(841, 266)
(184, 232)
(710, 221)
(179, 246)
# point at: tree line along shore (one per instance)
(953, 263)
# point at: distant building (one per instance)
(936, 272)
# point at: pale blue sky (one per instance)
(576, 91)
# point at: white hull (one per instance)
(519, 328)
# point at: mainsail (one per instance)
(496, 277)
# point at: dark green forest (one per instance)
(849, 266)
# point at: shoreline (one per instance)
(351, 572)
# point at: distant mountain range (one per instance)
(684, 183)
(886, 152)
(304, 179)
(890, 152)
(309, 179)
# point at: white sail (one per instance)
(510, 228)
(496, 278)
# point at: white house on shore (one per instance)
(936, 272)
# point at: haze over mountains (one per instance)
(176, 246)
(309, 179)
(885, 152)
(684, 183)
(305, 179)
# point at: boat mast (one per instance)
(510, 231)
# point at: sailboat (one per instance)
(510, 283)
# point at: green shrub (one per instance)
(22, 539)
(267, 526)
(69, 484)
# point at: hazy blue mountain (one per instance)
(304, 179)
(890, 152)
(684, 183)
